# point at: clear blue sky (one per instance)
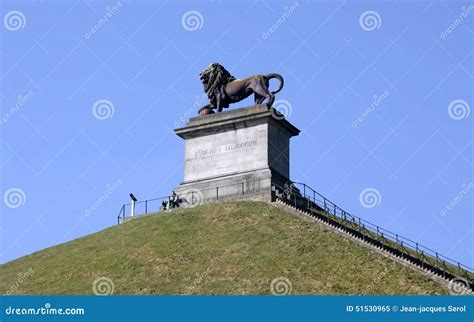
(58, 59)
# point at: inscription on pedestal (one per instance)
(224, 149)
(225, 153)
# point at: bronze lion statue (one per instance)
(223, 89)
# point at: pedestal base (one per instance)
(235, 155)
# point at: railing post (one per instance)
(132, 208)
(307, 201)
(422, 260)
(398, 244)
(217, 193)
(146, 206)
(192, 197)
(243, 189)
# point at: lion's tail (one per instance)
(277, 76)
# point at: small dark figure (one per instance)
(175, 199)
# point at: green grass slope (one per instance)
(226, 248)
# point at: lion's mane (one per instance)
(218, 78)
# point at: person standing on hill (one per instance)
(173, 200)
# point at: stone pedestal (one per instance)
(238, 154)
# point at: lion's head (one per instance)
(214, 78)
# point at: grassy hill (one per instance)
(225, 248)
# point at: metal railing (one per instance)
(194, 197)
(141, 208)
(320, 206)
(304, 197)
